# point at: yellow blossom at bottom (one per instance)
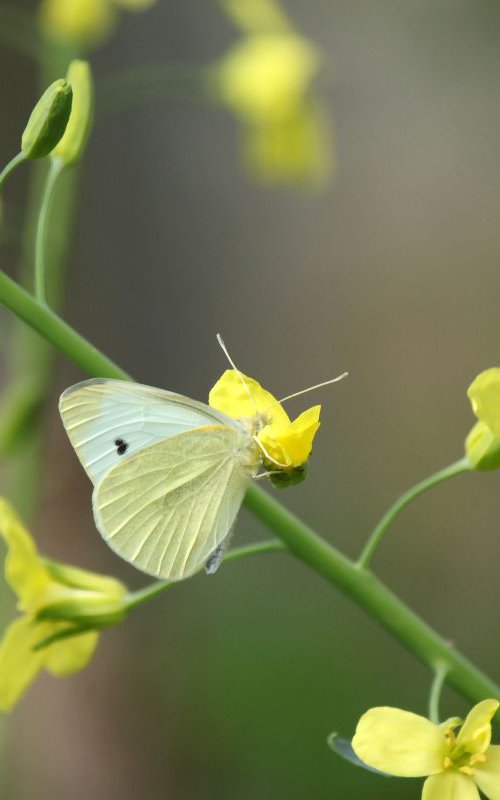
(457, 765)
(64, 608)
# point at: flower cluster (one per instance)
(265, 79)
(287, 445)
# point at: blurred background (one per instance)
(228, 686)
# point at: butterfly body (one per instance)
(169, 473)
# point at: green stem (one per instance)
(56, 331)
(43, 227)
(457, 468)
(142, 595)
(435, 695)
(10, 167)
(357, 583)
(371, 595)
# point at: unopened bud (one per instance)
(48, 120)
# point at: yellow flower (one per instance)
(286, 444)
(483, 442)
(84, 22)
(456, 765)
(265, 79)
(63, 608)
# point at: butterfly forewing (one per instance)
(166, 508)
(108, 421)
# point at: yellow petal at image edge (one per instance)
(484, 394)
(475, 733)
(450, 786)
(23, 569)
(19, 663)
(399, 742)
(487, 775)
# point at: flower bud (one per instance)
(72, 145)
(48, 120)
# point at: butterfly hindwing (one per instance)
(166, 508)
(108, 421)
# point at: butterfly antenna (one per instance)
(316, 386)
(239, 374)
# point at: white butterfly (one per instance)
(169, 473)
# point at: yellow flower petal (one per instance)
(230, 396)
(70, 655)
(257, 16)
(19, 663)
(487, 775)
(295, 149)
(475, 733)
(450, 786)
(23, 569)
(484, 394)
(79, 21)
(264, 77)
(291, 443)
(399, 742)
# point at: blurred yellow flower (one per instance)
(84, 22)
(483, 442)
(286, 444)
(265, 79)
(400, 743)
(63, 609)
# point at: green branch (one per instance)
(236, 554)
(457, 468)
(56, 331)
(11, 167)
(357, 583)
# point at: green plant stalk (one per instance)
(43, 229)
(375, 538)
(357, 583)
(237, 553)
(11, 167)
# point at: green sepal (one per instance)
(92, 612)
(288, 477)
(343, 748)
(48, 120)
(482, 448)
(67, 633)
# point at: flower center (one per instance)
(460, 759)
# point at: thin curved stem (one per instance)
(43, 227)
(158, 587)
(359, 584)
(375, 538)
(11, 166)
(440, 674)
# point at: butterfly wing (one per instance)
(166, 508)
(108, 421)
